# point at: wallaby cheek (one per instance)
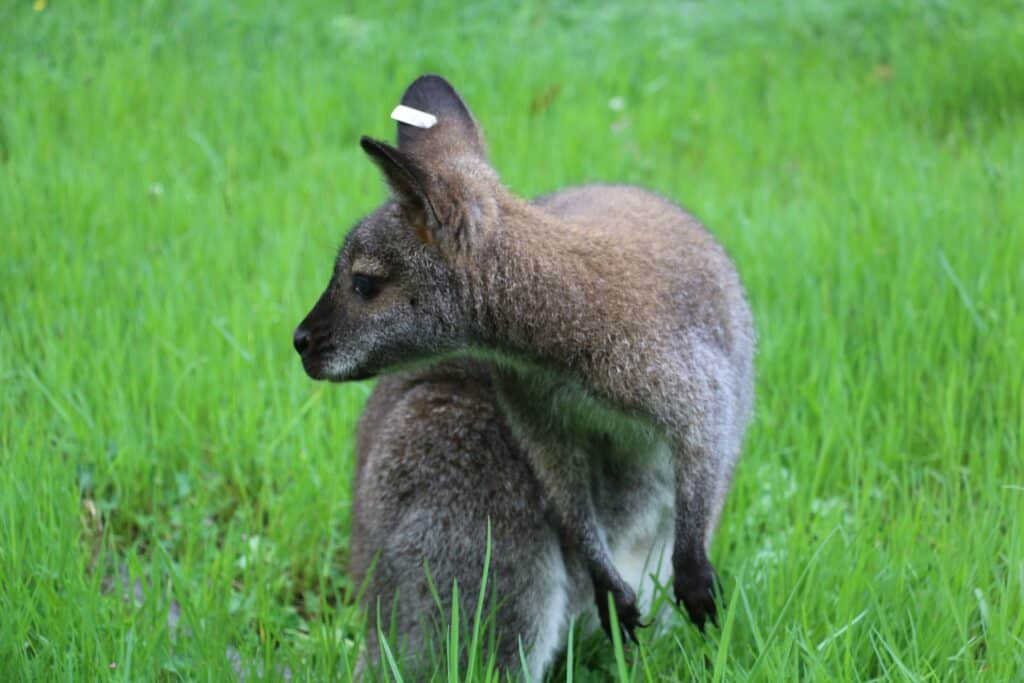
(348, 360)
(365, 347)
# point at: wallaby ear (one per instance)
(408, 183)
(456, 132)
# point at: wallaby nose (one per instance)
(301, 339)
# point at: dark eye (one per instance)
(364, 285)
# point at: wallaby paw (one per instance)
(697, 589)
(626, 611)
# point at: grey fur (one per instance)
(617, 324)
(437, 463)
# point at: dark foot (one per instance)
(696, 587)
(625, 609)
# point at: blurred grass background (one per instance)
(174, 179)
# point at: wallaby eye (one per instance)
(364, 285)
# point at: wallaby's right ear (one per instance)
(455, 131)
(408, 183)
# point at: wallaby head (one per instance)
(394, 296)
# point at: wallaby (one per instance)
(618, 327)
(437, 463)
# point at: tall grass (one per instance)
(174, 177)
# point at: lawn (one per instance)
(175, 177)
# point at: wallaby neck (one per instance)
(524, 296)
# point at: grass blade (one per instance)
(388, 657)
(620, 655)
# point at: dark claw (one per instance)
(626, 610)
(629, 632)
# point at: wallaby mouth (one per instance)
(314, 368)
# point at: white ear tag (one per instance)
(413, 117)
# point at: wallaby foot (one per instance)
(626, 609)
(696, 586)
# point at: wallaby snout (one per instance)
(310, 334)
(314, 338)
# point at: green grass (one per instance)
(174, 178)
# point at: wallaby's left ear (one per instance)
(456, 132)
(408, 183)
